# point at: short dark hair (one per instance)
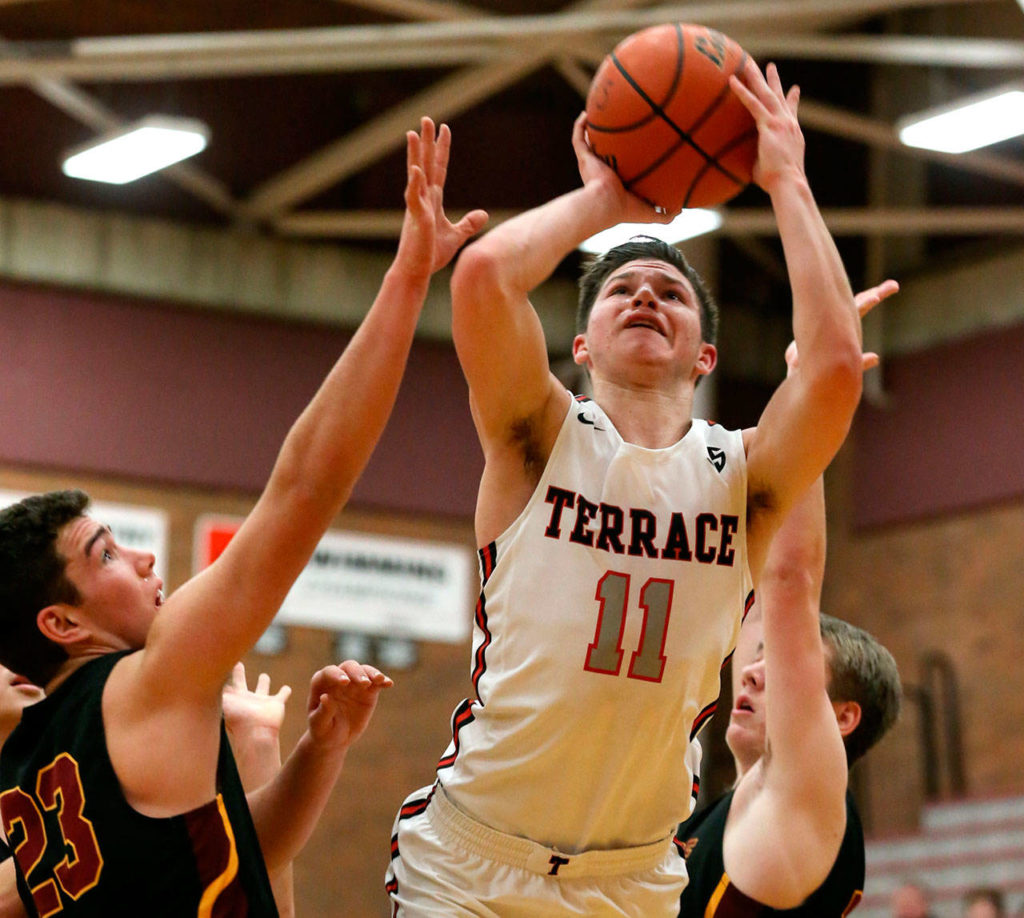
(862, 670)
(597, 271)
(989, 894)
(32, 577)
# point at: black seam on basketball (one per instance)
(681, 50)
(735, 142)
(710, 160)
(719, 99)
(684, 136)
(714, 163)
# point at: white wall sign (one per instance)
(141, 528)
(373, 584)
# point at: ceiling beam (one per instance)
(419, 10)
(84, 108)
(923, 50)
(852, 221)
(902, 50)
(575, 75)
(840, 123)
(890, 221)
(205, 54)
(369, 142)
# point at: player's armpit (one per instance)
(11, 905)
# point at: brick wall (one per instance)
(950, 584)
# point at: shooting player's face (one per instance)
(119, 592)
(645, 320)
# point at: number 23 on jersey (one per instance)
(58, 788)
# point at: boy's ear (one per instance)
(580, 352)
(60, 623)
(848, 714)
(707, 358)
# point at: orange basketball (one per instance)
(660, 112)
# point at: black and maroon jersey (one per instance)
(710, 894)
(82, 850)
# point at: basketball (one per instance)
(661, 113)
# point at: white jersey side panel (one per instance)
(606, 612)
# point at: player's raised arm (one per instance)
(253, 719)
(11, 905)
(809, 415)
(497, 334)
(341, 701)
(802, 775)
(800, 780)
(214, 619)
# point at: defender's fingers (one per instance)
(442, 151)
(416, 191)
(868, 299)
(472, 223)
(428, 142)
(413, 152)
(238, 676)
(355, 672)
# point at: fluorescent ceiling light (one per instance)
(151, 144)
(694, 221)
(967, 125)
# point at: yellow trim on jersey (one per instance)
(716, 896)
(858, 894)
(221, 883)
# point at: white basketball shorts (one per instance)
(445, 863)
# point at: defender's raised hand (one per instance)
(429, 239)
(342, 699)
(250, 711)
(866, 300)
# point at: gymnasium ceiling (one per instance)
(308, 101)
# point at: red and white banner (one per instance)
(374, 584)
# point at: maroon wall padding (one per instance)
(100, 384)
(951, 437)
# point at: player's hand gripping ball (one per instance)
(661, 113)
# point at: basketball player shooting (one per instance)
(130, 736)
(620, 539)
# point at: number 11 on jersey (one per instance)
(604, 655)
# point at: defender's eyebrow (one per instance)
(98, 534)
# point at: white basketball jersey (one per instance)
(606, 612)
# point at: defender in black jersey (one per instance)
(794, 843)
(700, 839)
(118, 793)
(16, 694)
(171, 864)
